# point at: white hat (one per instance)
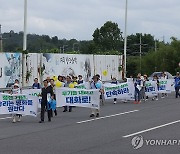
(17, 85)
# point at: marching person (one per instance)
(114, 81)
(95, 84)
(36, 84)
(164, 76)
(138, 86)
(177, 84)
(143, 89)
(80, 79)
(155, 78)
(52, 86)
(102, 99)
(46, 94)
(16, 90)
(68, 82)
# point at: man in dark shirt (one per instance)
(46, 92)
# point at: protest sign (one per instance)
(33, 92)
(18, 104)
(78, 97)
(124, 91)
(165, 86)
(151, 88)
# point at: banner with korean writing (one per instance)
(33, 92)
(78, 97)
(151, 89)
(165, 86)
(18, 104)
(124, 91)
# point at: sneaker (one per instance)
(92, 115)
(115, 102)
(162, 97)
(14, 120)
(19, 119)
(97, 115)
(156, 99)
(41, 121)
(139, 102)
(135, 102)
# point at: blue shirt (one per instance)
(177, 82)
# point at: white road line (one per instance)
(5, 118)
(153, 128)
(80, 122)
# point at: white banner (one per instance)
(33, 92)
(165, 86)
(18, 104)
(78, 97)
(124, 91)
(151, 89)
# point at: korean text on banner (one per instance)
(78, 97)
(18, 104)
(124, 91)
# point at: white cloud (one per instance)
(79, 18)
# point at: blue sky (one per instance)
(79, 18)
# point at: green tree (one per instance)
(108, 37)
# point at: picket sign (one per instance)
(18, 104)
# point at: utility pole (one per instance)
(125, 39)
(1, 44)
(24, 45)
(140, 48)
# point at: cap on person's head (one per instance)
(45, 80)
(16, 85)
(97, 75)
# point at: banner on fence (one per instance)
(78, 97)
(33, 92)
(18, 104)
(124, 91)
(151, 89)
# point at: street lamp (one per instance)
(24, 45)
(125, 39)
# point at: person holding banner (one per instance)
(52, 86)
(138, 84)
(16, 90)
(67, 84)
(155, 78)
(177, 84)
(46, 93)
(114, 81)
(95, 84)
(164, 76)
(80, 79)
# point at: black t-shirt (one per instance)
(44, 93)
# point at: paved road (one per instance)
(76, 133)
